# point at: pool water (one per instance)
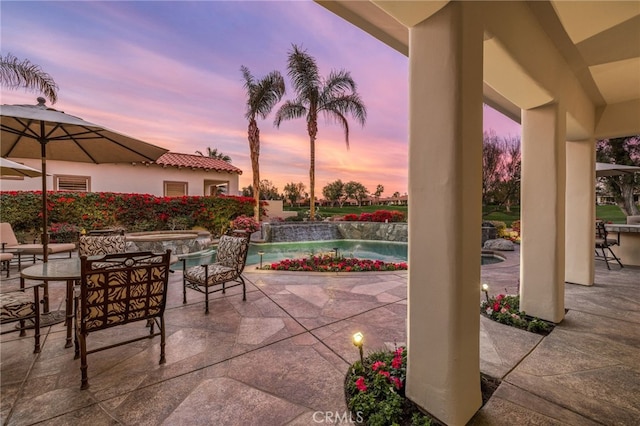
(386, 251)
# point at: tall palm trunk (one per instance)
(312, 128)
(254, 147)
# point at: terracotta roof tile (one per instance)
(192, 161)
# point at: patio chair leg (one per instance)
(83, 363)
(162, 341)
(244, 289)
(615, 257)
(206, 299)
(36, 320)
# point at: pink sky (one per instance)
(168, 73)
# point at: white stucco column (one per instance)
(542, 212)
(581, 212)
(445, 171)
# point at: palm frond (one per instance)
(15, 73)
(339, 118)
(288, 111)
(338, 83)
(303, 72)
(268, 93)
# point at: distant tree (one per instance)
(213, 153)
(334, 192)
(15, 73)
(624, 151)
(293, 192)
(356, 191)
(267, 191)
(501, 169)
(396, 194)
(262, 96)
(335, 97)
(378, 193)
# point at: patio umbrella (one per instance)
(11, 168)
(608, 169)
(36, 131)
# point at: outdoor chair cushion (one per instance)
(16, 305)
(216, 273)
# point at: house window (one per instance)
(72, 183)
(175, 189)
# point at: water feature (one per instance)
(301, 231)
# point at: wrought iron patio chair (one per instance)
(21, 306)
(117, 289)
(604, 243)
(231, 257)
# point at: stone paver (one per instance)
(281, 356)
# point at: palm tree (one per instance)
(213, 153)
(262, 96)
(334, 97)
(15, 73)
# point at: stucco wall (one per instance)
(122, 177)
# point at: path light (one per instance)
(335, 249)
(260, 253)
(358, 340)
(485, 288)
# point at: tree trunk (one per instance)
(254, 148)
(312, 127)
(628, 206)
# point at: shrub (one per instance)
(245, 223)
(352, 217)
(374, 389)
(505, 309)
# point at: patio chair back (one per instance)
(92, 245)
(232, 252)
(118, 289)
(7, 236)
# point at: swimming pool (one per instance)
(362, 249)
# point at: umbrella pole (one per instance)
(45, 234)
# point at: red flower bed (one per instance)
(329, 263)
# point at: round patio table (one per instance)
(55, 270)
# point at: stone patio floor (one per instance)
(280, 358)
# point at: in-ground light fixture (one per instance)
(358, 341)
(485, 288)
(261, 253)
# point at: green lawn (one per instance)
(611, 214)
(607, 213)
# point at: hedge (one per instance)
(133, 212)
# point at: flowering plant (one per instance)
(330, 263)
(375, 389)
(505, 309)
(246, 223)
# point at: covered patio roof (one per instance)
(594, 45)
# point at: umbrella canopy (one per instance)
(36, 131)
(11, 168)
(607, 169)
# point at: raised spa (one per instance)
(180, 242)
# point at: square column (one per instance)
(445, 175)
(581, 212)
(542, 212)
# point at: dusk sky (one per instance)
(169, 73)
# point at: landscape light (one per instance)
(485, 288)
(260, 253)
(358, 340)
